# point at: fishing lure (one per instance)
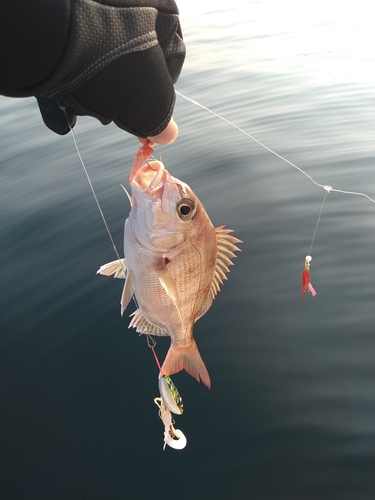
(306, 283)
(170, 395)
(169, 401)
(172, 437)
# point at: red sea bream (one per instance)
(175, 261)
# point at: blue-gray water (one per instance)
(290, 415)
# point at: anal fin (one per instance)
(143, 325)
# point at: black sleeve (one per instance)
(33, 35)
(116, 60)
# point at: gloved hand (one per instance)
(119, 64)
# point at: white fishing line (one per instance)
(317, 222)
(94, 194)
(327, 188)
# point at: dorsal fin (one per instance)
(226, 246)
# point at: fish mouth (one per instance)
(150, 178)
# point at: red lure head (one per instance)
(305, 282)
(143, 154)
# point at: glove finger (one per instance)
(135, 91)
(55, 118)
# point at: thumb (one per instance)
(168, 135)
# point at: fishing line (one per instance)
(93, 191)
(327, 188)
(306, 283)
(305, 274)
(317, 222)
(151, 342)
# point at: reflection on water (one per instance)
(290, 412)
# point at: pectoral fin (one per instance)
(167, 281)
(127, 293)
(116, 268)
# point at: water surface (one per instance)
(291, 411)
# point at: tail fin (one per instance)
(186, 358)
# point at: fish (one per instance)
(175, 261)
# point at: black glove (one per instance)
(119, 64)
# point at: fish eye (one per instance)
(186, 209)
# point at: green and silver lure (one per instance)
(172, 437)
(170, 401)
(170, 395)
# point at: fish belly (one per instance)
(152, 300)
